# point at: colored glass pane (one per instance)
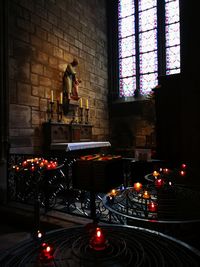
(148, 41)
(172, 11)
(126, 27)
(127, 86)
(147, 19)
(147, 83)
(173, 57)
(172, 34)
(127, 67)
(127, 46)
(145, 4)
(125, 8)
(148, 62)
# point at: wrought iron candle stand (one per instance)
(59, 111)
(132, 203)
(86, 115)
(50, 111)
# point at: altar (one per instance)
(79, 145)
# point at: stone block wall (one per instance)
(133, 126)
(44, 36)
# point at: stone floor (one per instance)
(16, 224)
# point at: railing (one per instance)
(52, 188)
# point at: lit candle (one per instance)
(39, 234)
(146, 194)
(51, 95)
(61, 98)
(137, 186)
(152, 207)
(98, 240)
(113, 192)
(155, 174)
(87, 104)
(46, 252)
(182, 173)
(183, 166)
(159, 182)
(165, 170)
(81, 102)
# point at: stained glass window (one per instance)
(139, 44)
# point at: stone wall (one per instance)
(44, 36)
(133, 126)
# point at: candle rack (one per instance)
(59, 111)
(86, 115)
(50, 111)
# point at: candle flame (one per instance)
(98, 232)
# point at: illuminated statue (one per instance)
(70, 81)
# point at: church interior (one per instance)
(99, 155)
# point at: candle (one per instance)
(137, 186)
(152, 207)
(61, 98)
(81, 103)
(182, 173)
(46, 252)
(51, 95)
(159, 182)
(98, 241)
(146, 194)
(155, 174)
(165, 170)
(183, 166)
(87, 104)
(113, 192)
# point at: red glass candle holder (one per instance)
(152, 206)
(46, 252)
(98, 241)
(159, 183)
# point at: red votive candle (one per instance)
(46, 252)
(98, 241)
(152, 207)
(182, 173)
(159, 182)
(183, 166)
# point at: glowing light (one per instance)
(156, 174)
(182, 173)
(137, 186)
(113, 192)
(152, 207)
(159, 183)
(98, 241)
(39, 234)
(183, 166)
(46, 252)
(146, 194)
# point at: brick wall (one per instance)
(44, 36)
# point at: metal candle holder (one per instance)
(81, 114)
(59, 111)
(50, 111)
(87, 115)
